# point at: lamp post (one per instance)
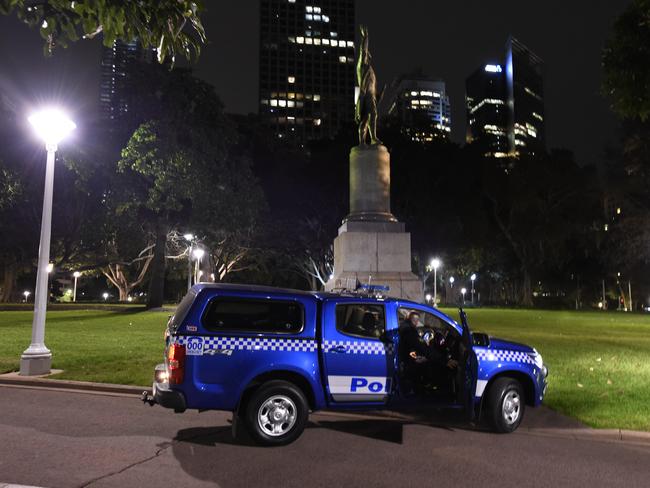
(473, 279)
(462, 292)
(26, 295)
(435, 264)
(51, 126)
(76, 275)
(451, 281)
(189, 238)
(198, 255)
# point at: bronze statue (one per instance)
(366, 109)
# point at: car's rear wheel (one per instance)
(506, 405)
(276, 413)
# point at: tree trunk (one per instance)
(157, 281)
(527, 290)
(9, 281)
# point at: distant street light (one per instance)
(451, 281)
(76, 275)
(428, 297)
(51, 126)
(435, 264)
(26, 295)
(462, 292)
(105, 296)
(473, 279)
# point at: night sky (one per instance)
(447, 39)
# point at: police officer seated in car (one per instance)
(424, 364)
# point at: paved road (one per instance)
(63, 439)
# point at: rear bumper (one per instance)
(164, 396)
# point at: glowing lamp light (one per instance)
(188, 237)
(105, 296)
(493, 68)
(452, 279)
(463, 290)
(50, 267)
(435, 263)
(76, 274)
(26, 294)
(51, 125)
(473, 277)
(428, 297)
(198, 253)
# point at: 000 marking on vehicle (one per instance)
(194, 346)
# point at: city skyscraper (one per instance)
(307, 67)
(114, 85)
(420, 105)
(505, 104)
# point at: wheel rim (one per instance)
(277, 415)
(511, 407)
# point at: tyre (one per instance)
(276, 413)
(506, 405)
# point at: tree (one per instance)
(171, 26)
(626, 62)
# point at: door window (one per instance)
(361, 320)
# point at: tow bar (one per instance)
(147, 398)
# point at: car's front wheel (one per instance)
(506, 405)
(277, 413)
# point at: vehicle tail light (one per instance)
(176, 363)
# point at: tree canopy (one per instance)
(172, 27)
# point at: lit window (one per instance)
(342, 59)
(309, 40)
(317, 10)
(316, 98)
(326, 18)
(291, 79)
(291, 103)
(334, 42)
(618, 211)
(426, 94)
(292, 1)
(316, 17)
(317, 121)
(300, 40)
(274, 103)
(309, 16)
(317, 41)
(309, 9)
(333, 34)
(291, 95)
(326, 41)
(282, 103)
(350, 44)
(414, 94)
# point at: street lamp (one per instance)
(451, 281)
(51, 126)
(462, 292)
(105, 296)
(435, 264)
(427, 297)
(76, 275)
(26, 295)
(473, 278)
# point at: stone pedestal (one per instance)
(372, 246)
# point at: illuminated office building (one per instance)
(307, 67)
(505, 104)
(115, 83)
(421, 108)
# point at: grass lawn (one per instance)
(599, 362)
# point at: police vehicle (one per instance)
(273, 355)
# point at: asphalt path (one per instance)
(67, 439)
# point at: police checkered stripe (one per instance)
(358, 347)
(255, 344)
(504, 355)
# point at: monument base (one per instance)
(375, 253)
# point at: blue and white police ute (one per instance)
(272, 355)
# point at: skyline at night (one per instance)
(577, 114)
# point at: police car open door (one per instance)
(357, 358)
